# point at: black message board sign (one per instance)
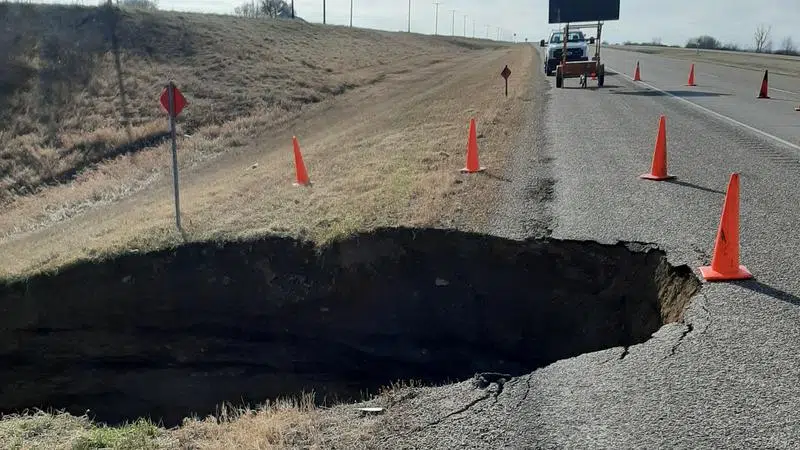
(563, 11)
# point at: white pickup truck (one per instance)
(577, 49)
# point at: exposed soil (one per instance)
(176, 332)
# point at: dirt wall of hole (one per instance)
(172, 333)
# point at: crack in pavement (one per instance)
(527, 390)
(481, 381)
(461, 410)
(702, 306)
(689, 329)
(616, 358)
(690, 326)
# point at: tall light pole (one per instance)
(473, 28)
(436, 20)
(453, 27)
(409, 16)
(498, 33)
(323, 12)
(465, 25)
(351, 13)
(487, 31)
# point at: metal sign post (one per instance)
(173, 101)
(174, 154)
(505, 74)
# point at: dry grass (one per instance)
(384, 154)
(72, 98)
(286, 423)
(777, 64)
(385, 151)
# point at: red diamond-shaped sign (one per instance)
(180, 100)
(506, 73)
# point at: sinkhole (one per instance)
(177, 332)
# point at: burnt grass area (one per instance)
(174, 333)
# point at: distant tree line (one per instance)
(151, 5)
(761, 39)
(270, 9)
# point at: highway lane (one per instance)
(731, 91)
(731, 377)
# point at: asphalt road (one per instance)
(730, 376)
(731, 91)
(734, 379)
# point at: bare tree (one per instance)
(761, 37)
(264, 8)
(141, 4)
(656, 41)
(275, 8)
(787, 46)
(704, 42)
(246, 9)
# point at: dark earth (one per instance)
(176, 332)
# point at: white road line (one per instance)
(781, 90)
(714, 113)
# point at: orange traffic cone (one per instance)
(472, 150)
(691, 77)
(764, 86)
(300, 167)
(636, 75)
(725, 261)
(658, 171)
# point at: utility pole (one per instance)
(436, 25)
(465, 25)
(453, 27)
(487, 31)
(473, 28)
(292, 9)
(498, 33)
(323, 12)
(351, 13)
(409, 16)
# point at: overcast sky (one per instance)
(674, 21)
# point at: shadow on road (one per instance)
(779, 99)
(489, 174)
(679, 93)
(589, 87)
(695, 186)
(761, 288)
